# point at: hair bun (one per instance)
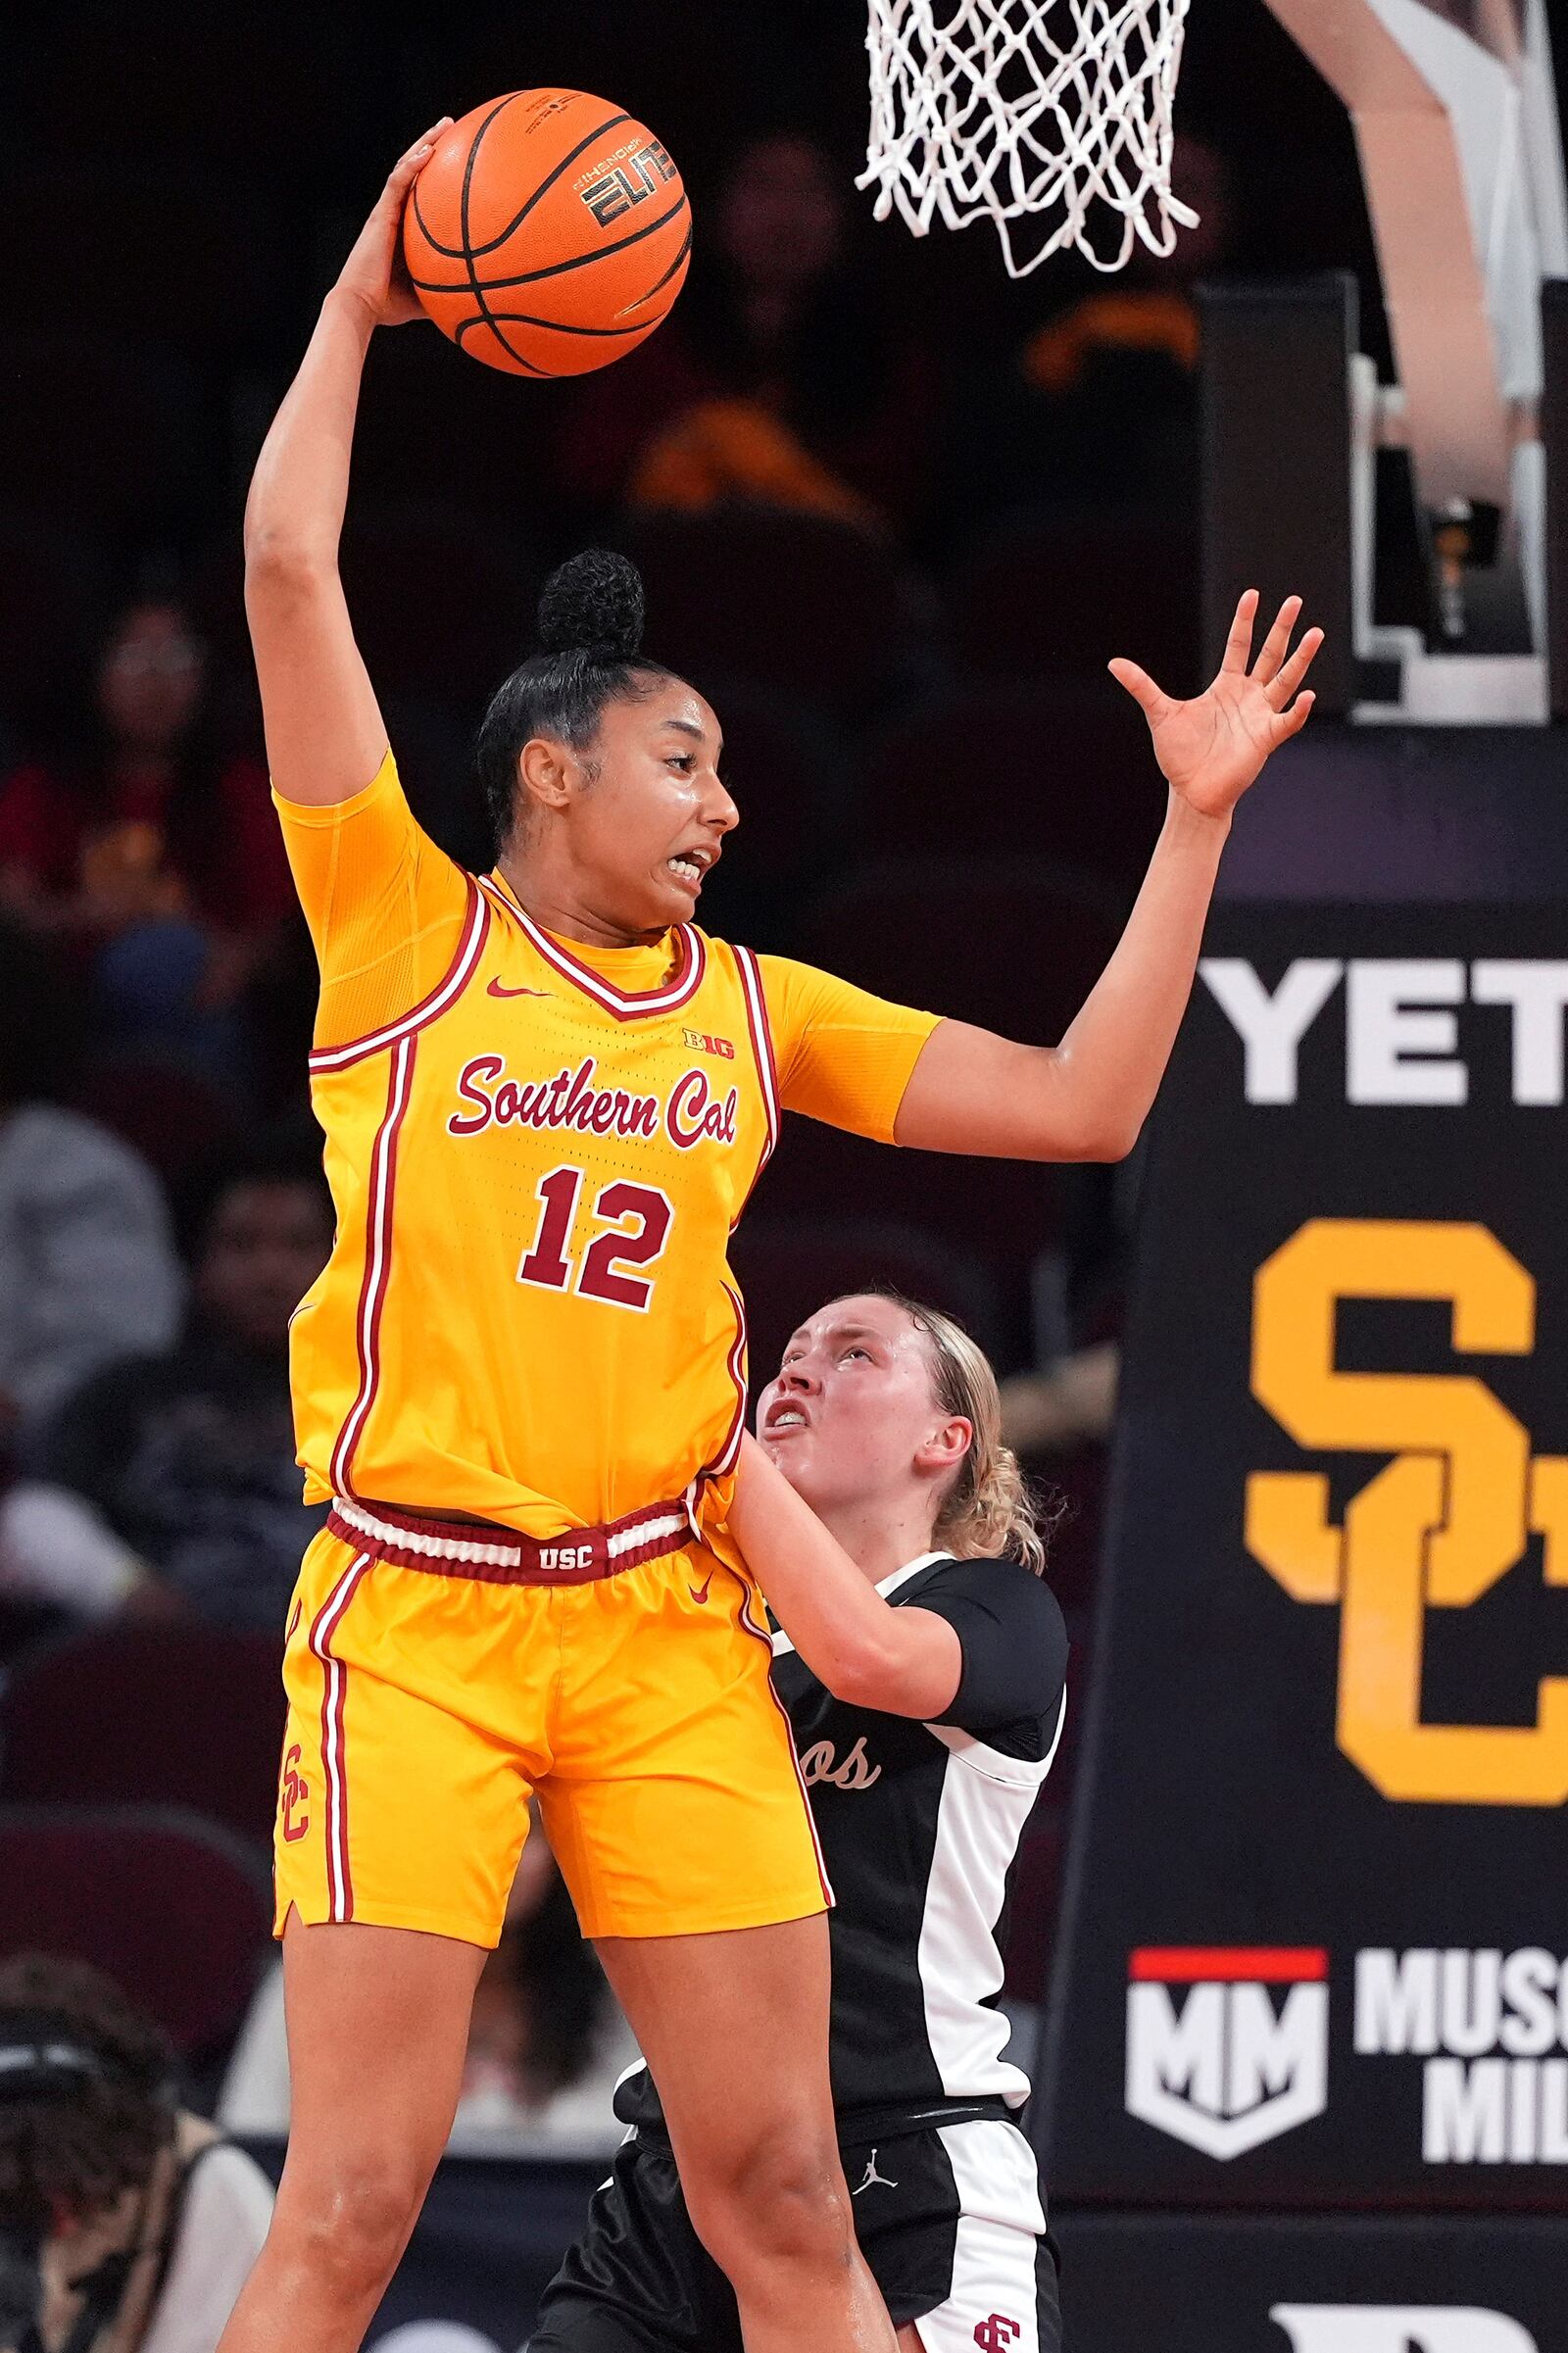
(593, 604)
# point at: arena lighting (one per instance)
(1456, 128)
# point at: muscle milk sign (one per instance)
(1491, 2029)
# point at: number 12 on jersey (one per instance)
(637, 1219)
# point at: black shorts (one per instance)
(949, 2218)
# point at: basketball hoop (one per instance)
(1007, 109)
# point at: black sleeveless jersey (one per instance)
(919, 1826)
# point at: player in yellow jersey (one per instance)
(547, 1095)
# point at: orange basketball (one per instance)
(548, 233)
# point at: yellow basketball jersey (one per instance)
(538, 1153)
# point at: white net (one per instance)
(1056, 113)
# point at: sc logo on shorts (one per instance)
(1435, 1529)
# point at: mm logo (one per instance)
(1211, 2059)
(630, 182)
(1438, 1525)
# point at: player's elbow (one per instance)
(859, 1671)
(876, 1676)
(1103, 1134)
(282, 566)
(1113, 1140)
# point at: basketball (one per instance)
(549, 233)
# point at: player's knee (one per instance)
(350, 2221)
(778, 2198)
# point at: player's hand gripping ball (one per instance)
(548, 233)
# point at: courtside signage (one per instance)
(1228, 2047)
(1330, 1640)
(1400, 2329)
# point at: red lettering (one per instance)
(688, 1102)
(486, 1067)
(571, 1099)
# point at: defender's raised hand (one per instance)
(1210, 749)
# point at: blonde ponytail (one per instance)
(989, 1508)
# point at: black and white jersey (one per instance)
(919, 1826)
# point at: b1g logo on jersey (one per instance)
(1399, 2329)
(630, 181)
(1226, 2048)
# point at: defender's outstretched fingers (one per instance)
(1291, 723)
(1284, 686)
(1151, 698)
(1273, 648)
(1239, 644)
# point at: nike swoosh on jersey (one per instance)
(498, 988)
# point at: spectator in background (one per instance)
(547, 2043)
(88, 1269)
(168, 1483)
(153, 854)
(126, 2224)
(778, 376)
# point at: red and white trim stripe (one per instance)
(730, 1454)
(626, 1005)
(498, 1556)
(755, 997)
(377, 1260)
(471, 946)
(334, 1687)
(765, 1638)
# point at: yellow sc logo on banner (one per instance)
(1438, 1526)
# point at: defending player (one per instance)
(948, 1663)
(546, 1098)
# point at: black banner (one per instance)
(1314, 1949)
(1187, 2283)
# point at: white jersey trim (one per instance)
(1013, 1772)
(996, 2248)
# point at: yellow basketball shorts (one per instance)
(425, 1706)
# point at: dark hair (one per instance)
(193, 816)
(90, 2120)
(591, 634)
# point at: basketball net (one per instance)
(1011, 109)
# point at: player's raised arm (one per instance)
(906, 1662)
(325, 737)
(1088, 1098)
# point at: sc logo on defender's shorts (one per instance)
(1438, 1526)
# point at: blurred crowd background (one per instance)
(894, 513)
